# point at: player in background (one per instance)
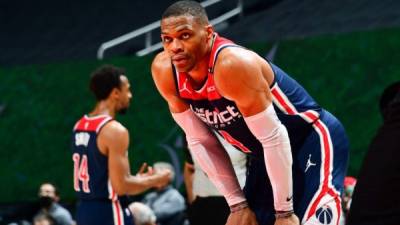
(102, 176)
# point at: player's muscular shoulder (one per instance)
(115, 128)
(113, 135)
(239, 69)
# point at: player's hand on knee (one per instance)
(242, 217)
(290, 220)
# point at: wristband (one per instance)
(283, 214)
(238, 206)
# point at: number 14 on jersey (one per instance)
(81, 172)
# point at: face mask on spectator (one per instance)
(45, 201)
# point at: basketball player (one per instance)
(298, 151)
(102, 176)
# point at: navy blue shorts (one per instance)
(105, 212)
(319, 168)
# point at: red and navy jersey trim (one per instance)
(92, 124)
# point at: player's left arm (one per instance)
(243, 77)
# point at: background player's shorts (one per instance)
(319, 168)
(104, 212)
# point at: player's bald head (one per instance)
(187, 8)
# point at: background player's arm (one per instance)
(243, 77)
(204, 146)
(114, 140)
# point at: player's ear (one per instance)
(115, 93)
(210, 31)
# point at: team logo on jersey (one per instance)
(217, 118)
(309, 163)
(82, 138)
(184, 87)
(324, 215)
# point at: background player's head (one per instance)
(186, 34)
(109, 83)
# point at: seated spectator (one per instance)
(142, 214)
(166, 202)
(48, 200)
(376, 196)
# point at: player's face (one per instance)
(185, 40)
(124, 95)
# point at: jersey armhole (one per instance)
(103, 124)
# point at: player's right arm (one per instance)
(113, 141)
(161, 70)
(203, 145)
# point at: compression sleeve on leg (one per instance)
(211, 156)
(268, 129)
